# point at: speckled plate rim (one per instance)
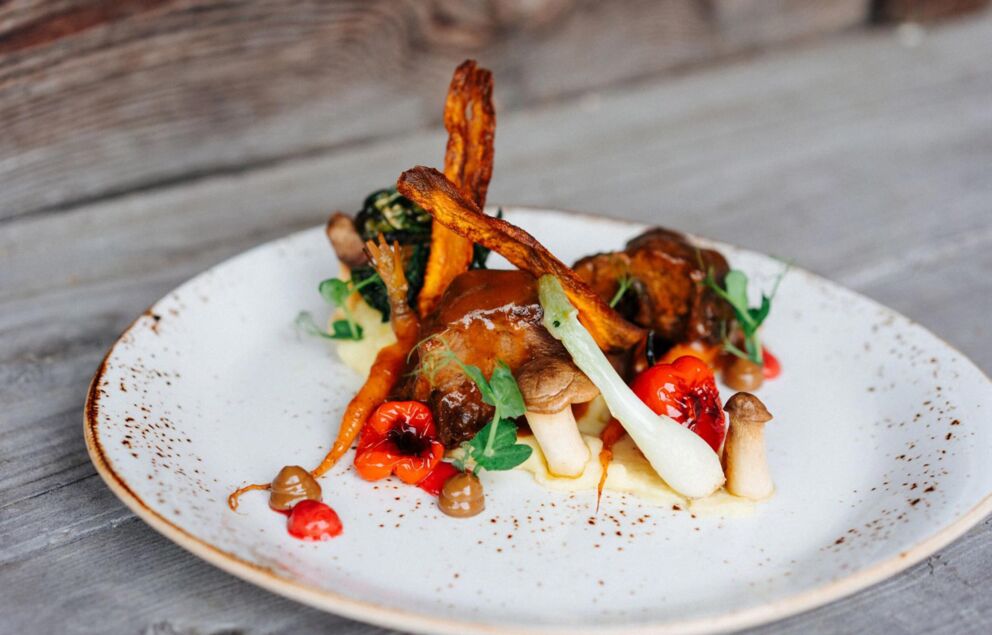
(418, 622)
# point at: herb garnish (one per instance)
(625, 282)
(750, 319)
(495, 446)
(336, 291)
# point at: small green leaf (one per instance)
(475, 374)
(749, 319)
(759, 314)
(494, 447)
(506, 391)
(477, 443)
(341, 328)
(335, 291)
(345, 330)
(736, 285)
(506, 458)
(506, 435)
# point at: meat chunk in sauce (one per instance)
(667, 293)
(485, 316)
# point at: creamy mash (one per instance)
(629, 472)
(376, 334)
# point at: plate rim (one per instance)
(371, 612)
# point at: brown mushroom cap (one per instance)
(744, 406)
(348, 245)
(550, 383)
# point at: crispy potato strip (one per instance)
(432, 191)
(468, 162)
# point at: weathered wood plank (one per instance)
(100, 97)
(862, 160)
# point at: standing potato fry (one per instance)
(468, 163)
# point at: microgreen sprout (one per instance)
(750, 319)
(625, 282)
(495, 446)
(336, 292)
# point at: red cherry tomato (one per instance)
(312, 520)
(399, 438)
(772, 368)
(434, 481)
(686, 391)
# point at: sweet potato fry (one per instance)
(470, 121)
(468, 162)
(432, 191)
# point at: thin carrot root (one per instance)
(386, 369)
(612, 433)
(389, 362)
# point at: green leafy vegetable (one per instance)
(336, 292)
(495, 446)
(400, 220)
(396, 217)
(734, 291)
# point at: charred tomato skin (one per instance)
(686, 391)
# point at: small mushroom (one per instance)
(744, 461)
(550, 385)
(347, 244)
(462, 496)
(291, 485)
(742, 374)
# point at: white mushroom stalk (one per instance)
(565, 452)
(680, 457)
(748, 475)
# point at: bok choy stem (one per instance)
(680, 457)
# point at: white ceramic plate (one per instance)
(879, 449)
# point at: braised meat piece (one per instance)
(666, 292)
(483, 317)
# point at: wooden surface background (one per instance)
(142, 142)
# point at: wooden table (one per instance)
(866, 157)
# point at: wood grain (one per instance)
(103, 97)
(860, 158)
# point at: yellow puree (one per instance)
(629, 472)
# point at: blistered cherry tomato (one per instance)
(312, 520)
(772, 367)
(399, 438)
(686, 391)
(434, 481)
